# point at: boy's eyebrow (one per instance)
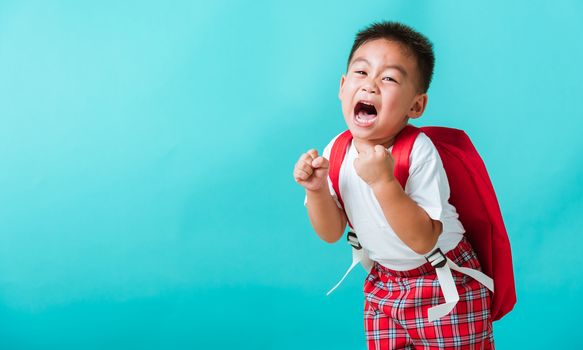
(393, 66)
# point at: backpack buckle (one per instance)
(437, 259)
(353, 240)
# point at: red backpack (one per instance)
(472, 194)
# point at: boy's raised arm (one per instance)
(327, 219)
(409, 221)
(311, 172)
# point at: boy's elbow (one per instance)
(330, 241)
(332, 232)
(424, 248)
(331, 237)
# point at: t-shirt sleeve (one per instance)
(428, 185)
(326, 154)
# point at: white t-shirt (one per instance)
(427, 186)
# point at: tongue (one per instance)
(365, 115)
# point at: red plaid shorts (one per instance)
(396, 303)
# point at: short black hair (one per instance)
(415, 42)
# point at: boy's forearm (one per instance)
(326, 218)
(409, 221)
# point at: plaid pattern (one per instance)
(396, 303)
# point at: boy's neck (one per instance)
(385, 142)
(360, 143)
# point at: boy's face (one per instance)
(379, 92)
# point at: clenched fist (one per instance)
(374, 164)
(311, 171)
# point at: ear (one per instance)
(341, 85)
(418, 106)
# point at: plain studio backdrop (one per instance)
(147, 147)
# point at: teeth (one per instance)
(364, 121)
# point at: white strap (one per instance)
(356, 258)
(449, 289)
(475, 274)
(359, 255)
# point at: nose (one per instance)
(369, 86)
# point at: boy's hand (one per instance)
(374, 163)
(311, 171)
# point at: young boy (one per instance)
(389, 71)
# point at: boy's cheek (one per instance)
(347, 115)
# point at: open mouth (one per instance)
(365, 113)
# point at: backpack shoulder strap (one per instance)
(337, 155)
(402, 152)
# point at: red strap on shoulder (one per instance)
(337, 154)
(402, 151)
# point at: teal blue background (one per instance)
(147, 148)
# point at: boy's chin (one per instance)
(373, 134)
(362, 133)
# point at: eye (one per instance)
(360, 72)
(389, 79)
